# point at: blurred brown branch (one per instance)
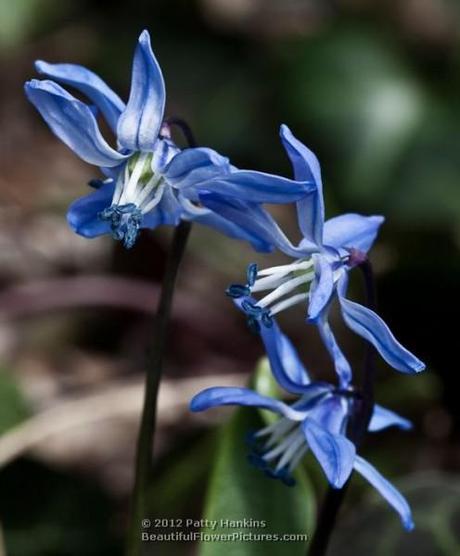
(117, 402)
(44, 296)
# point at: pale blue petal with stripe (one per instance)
(83, 214)
(341, 364)
(334, 452)
(383, 418)
(253, 218)
(73, 122)
(310, 211)
(387, 490)
(371, 327)
(321, 289)
(90, 84)
(228, 395)
(140, 122)
(190, 168)
(352, 231)
(258, 187)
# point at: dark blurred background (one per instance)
(373, 87)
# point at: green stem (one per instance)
(356, 431)
(144, 455)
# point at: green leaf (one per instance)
(238, 491)
(264, 382)
(13, 408)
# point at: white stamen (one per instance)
(276, 431)
(284, 445)
(296, 459)
(130, 188)
(122, 178)
(285, 288)
(147, 189)
(286, 303)
(156, 199)
(297, 442)
(285, 268)
(268, 282)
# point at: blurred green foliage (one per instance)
(238, 491)
(13, 408)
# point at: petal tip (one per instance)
(284, 129)
(409, 524)
(144, 37)
(196, 403)
(420, 367)
(40, 66)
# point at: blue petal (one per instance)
(352, 230)
(371, 327)
(258, 187)
(335, 453)
(342, 367)
(73, 122)
(285, 363)
(331, 413)
(383, 418)
(252, 218)
(82, 215)
(387, 490)
(322, 288)
(286, 366)
(310, 211)
(230, 229)
(140, 122)
(227, 395)
(192, 167)
(167, 212)
(89, 84)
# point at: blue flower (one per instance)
(317, 420)
(150, 181)
(319, 272)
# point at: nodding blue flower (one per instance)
(317, 420)
(319, 272)
(150, 181)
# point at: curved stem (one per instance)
(357, 428)
(144, 455)
(185, 128)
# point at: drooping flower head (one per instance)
(319, 272)
(150, 181)
(317, 421)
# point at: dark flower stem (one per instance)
(357, 428)
(144, 455)
(185, 128)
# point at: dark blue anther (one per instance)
(129, 208)
(251, 274)
(96, 184)
(251, 439)
(125, 221)
(251, 309)
(286, 477)
(258, 462)
(253, 325)
(267, 319)
(237, 290)
(270, 473)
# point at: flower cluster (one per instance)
(149, 181)
(316, 276)
(317, 421)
